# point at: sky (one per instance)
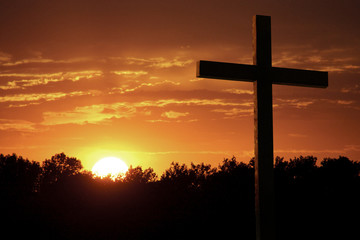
(117, 78)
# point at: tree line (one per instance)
(57, 199)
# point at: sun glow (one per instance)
(109, 166)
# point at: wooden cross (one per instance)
(263, 75)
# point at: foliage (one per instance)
(18, 174)
(186, 202)
(58, 167)
(176, 173)
(192, 177)
(138, 175)
(340, 168)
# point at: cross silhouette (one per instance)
(263, 75)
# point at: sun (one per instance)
(112, 166)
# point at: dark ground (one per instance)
(313, 201)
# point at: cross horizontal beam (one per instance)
(249, 73)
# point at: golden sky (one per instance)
(117, 78)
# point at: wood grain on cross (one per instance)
(263, 75)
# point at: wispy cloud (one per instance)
(235, 112)
(17, 125)
(22, 84)
(126, 88)
(238, 91)
(330, 60)
(195, 102)
(4, 57)
(168, 120)
(354, 89)
(297, 103)
(345, 150)
(344, 102)
(352, 147)
(130, 74)
(101, 113)
(89, 114)
(30, 60)
(160, 62)
(309, 151)
(7, 61)
(34, 98)
(173, 114)
(30, 75)
(29, 79)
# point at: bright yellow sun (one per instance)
(112, 166)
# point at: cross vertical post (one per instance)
(263, 75)
(263, 120)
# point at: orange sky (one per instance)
(117, 78)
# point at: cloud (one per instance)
(173, 114)
(26, 61)
(17, 125)
(6, 60)
(125, 88)
(36, 79)
(159, 62)
(89, 114)
(32, 97)
(5, 57)
(172, 121)
(39, 96)
(102, 113)
(310, 151)
(238, 91)
(354, 89)
(195, 102)
(77, 75)
(347, 149)
(35, 98)
(22, 84)
(297, 103)
(339, 102)
(232, 113)
(189, 152)
(344, 102)
(352, 147)
(197, 79)
(30, 75)
(306, 57)
(130, 74)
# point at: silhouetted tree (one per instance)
(199, 174)
(19, 183)
(340, 179)
(196, 201)
(229, 165)
(18, 175)
(340, 169)
(238, 172)
(58, 167)
(340, 196)
(177, 173)
(138, 175)
(301, 168)
(192, 177)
